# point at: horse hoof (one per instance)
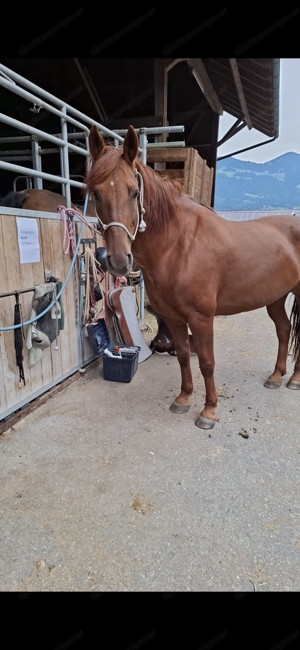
(204, 423)
(272, 383)
(294, 385)
(179, 408)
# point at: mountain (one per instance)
(245, 185)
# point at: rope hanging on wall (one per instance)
(19, 335)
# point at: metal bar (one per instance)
(7, 152)
(37, 100)
(79, 134)
(231, 132)
(32, 172)
(61, 163)
(38, 214)
(169, 145)
(65, 158)
(10, 158)
(37, 164)
(43, 93)
(143, 144)
(142, 300)
(247, 148)
(13, 293)
(16, 138)
(41, 134)
(46, 151)
(28, 182)
(155, 130)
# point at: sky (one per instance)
(289, 122)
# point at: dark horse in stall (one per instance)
(218, 267)
(43, 200)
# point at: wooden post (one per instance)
(161, 99)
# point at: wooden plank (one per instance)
(203, 177)
(205, 84)
(52, 252)
(12, 282)
(211, 183)
(173, 174)
(192, 173)
(31, 275)
(19, 276)
(14, 275)
(187, 169)
(7, 376)
(160, 100)
(171, 154)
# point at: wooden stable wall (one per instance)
(55, 364)
(195, 173)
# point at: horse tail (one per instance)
(13, 200)
(294, 336)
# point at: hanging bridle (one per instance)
(141, 224)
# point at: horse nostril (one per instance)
(130, 260)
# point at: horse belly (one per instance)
(259, 286)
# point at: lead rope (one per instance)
(56, 314)
(18, 336)
(93, 270)
(69, 242)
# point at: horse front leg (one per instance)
(180, 337)
(203, 337)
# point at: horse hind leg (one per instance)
(278, 315)
(294, 381)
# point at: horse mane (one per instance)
(161, 194)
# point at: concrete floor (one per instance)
(104, 489)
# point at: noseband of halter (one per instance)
(141, 224)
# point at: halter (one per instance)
(141, 224)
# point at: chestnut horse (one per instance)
(42, 200)
(196, 265)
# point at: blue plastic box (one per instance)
(116, 369)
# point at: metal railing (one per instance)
(68, 115)
(41, 99)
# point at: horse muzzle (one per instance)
(120, 264)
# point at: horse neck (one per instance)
(161, 228)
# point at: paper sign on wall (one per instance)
(28, 240)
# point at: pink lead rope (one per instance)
(68, 238)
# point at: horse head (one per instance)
(113, 183)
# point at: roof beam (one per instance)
(169, 63)
(234, 129)
(203, 80)
(239, 89)
(92, 92)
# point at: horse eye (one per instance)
(136, 194)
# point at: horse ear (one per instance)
(96, 143)
(130, 145)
